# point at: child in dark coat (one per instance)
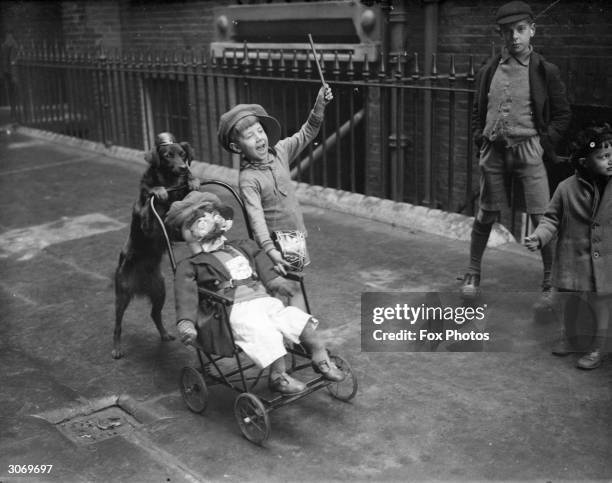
(580, 213)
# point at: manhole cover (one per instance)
(98, 426)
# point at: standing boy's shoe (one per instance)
(546, 302)
(470, 289)
(592, 360)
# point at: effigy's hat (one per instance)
(194, 205)
(240, 111)
(513, 12)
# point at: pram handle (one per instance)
(217, 297)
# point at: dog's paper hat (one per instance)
(164, 138)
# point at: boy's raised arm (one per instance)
(293, 145)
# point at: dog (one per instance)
(138, 273)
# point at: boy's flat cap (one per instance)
(513, 12)
(236, 113)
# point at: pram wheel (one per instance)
(346, 389)
(193, 389)
(252, 417)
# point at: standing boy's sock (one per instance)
(548, 253)
(478, 243)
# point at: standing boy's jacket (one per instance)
(207, 271)
(550, 106)
(583, 258)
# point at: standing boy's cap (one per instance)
(236, 113)
(513, 12)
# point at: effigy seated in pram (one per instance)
(215, 346)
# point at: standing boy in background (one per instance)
(520, 113)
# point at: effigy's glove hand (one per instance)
(280, 264)
(187, 332)
(532, 242)
(193, 184)
(280, 286)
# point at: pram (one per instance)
(216, 346)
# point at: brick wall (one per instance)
(33, 21)
(88, 24)
(168, 25)
(569, 34)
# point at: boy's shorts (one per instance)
(260, 326)
(524, 161)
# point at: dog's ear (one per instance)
(152, 157)
(189, 152)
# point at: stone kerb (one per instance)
(405, 215)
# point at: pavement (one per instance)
(509, 412)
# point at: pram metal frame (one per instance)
(251, 410)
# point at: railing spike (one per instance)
(366, 68)
(399, 72)
(350, 71)
(322, 63)
(282, 68)
(245, 62)
(295, 66)
(434, 65)
(452, 73)
(258, 66)
(308, 67)
(336, 69)
(415, 67)
(470, 75)
(235, 64)
(381, 68)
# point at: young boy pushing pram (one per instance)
(241, 271)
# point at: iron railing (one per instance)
(391, 131)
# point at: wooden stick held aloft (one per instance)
(314, 52)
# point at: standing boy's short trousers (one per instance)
(260, 326)
(524, 161)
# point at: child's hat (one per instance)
(513, 12)
(194, 205)
(236, 113)
(590, 139)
